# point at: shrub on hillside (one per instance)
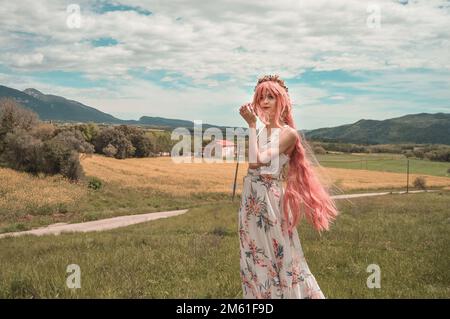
(420, 182)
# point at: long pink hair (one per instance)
(305, 195)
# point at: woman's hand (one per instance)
(248, 114)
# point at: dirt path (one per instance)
(122, 221)
(97, 225)
(376, 194)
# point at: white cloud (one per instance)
(199, 39)
(281, 35)
(26, 60)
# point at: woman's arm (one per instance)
(287, 138)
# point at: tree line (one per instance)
(30, 145)
(432, 152)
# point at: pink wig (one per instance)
(305, 196)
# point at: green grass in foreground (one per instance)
(110, 201)
(196, 255)
(385, 163)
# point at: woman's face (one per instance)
(268, 104)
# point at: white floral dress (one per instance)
(272, 264)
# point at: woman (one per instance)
(272, 264)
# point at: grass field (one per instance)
(186, 178)
(28, 202)
(196, 255)
(395, 163)
(134, 186)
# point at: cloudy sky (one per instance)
(199, 60)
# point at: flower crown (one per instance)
(274, 78)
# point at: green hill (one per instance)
(421, 128)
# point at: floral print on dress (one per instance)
(257, 207)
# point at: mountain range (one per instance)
(57, 108)
(418, 128)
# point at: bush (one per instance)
(418, 153)
(12, 117)
(420, 182)
(89, 131)
(29, 145)
(71, 167)
(116, 138)
(143, 145)
(319, 150)
(61, 158)
(44, 131)
(56, 153)
(22, 151)
(442, 155)
(74, 139)
(95, 183)
(124, 147)
(109, 150)
(408, 153)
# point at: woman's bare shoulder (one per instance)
(290, 132)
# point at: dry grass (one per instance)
(21, 192)
(363, 179)
(163, 174)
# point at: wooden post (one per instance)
(407, 176)
(235, 173)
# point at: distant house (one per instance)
(226, 146)
(164, 154)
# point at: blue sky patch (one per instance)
(104, 42)
(106, 6)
